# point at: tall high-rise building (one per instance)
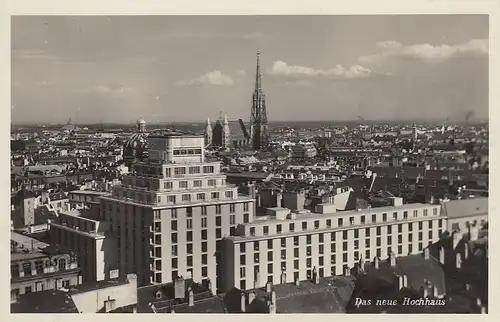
(258, 117)
(171, 212)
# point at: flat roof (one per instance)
(173, 135)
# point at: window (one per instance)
(410, 237)
(292, 227)
(256, 258)
(389, 229)
(434, 211)
(420, 236)
(430, 224)
(243, 259)
(242, 272)
(378, 242)
(321, 249)
(420, 225)
(215, 195)
(232, 219)
(174, 263)
(204, 222)
(296, 252)
(344, 257)
(384, 217)
(197, 183)
(266, 230)
(425, 212)
(278, 228)
(316, 224)
(200, 196)
(270, 244)
(204, 234)
(194, 170)
(189, 235)
(356, 244)
(232, 208)
(308, 240)
(321, 238)
(304, 225)
(400, 239)
(367, 243)
(345, 235)
(410, 226)
(362, 220)
(189, 261)
(179, 171)
(245, 206)
(270, 256)
(344, 246)
(174, 250)
(27, 269)
(218, 221)
(356, 233)
(252, 231)
(378, 231)
(440, 223)
(243, 283)
(229, 194)
(340, 222)
(415, 213)
(186, 197)
(367, 232)
(211, 182)
(242, 248)
(430, 234)
(27, 289)
(395, 215)
(218, 233)
(296, 264)
(246, 218)
(256, 246)
(204, 247)
(351, 220)
(389, 240)
(328, 223)
(405, 214)
(167, 185)
(374, 218)
(171, 199)
(332, 236)
(208, 169)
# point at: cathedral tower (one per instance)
(258, 118)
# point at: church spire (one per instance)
(258, 75)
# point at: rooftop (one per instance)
(466, 207)
(50, 301)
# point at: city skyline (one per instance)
(117, 69)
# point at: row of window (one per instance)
(187, 152)
(184, 184)
(279, 227)
(28, 269)
(39, 286)
(296, 240)
(192, 170)
(189, 211)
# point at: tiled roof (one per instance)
(466, 207)
(50, 301)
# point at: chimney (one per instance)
(251, 297)
(209, 285)
(479, 302)
(279, 198)
(376, 262)
(347, 272)
(272, 307)
(466, 251)
(190, 297)
(256, 282)
(483, 310)
(283, 278)
(80, 279)
(427, 253)
(392, 259)
(297, 282)
(425, 292)
(179, 288)
(361, 264)
(269, 287)
(134, 309)
(456, 239)
(467, 287)
(243, 302)
(441, 255)
(315, 277)
(458, 261)
(400, 282)
(172, 310)
(405, 281)
(434, 291)
(273, 297)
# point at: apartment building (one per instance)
(171, 212)
(81, 232)
(286, 246)
(36, 266)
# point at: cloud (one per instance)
(299, 83)
(45, 83)
(428, 53)
(242, 73)
(256, 36)
(283, 69)
(211, 78)
(33, 55)
(105, 90)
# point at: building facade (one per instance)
(88, 238)
(35, 267)
(170, 214)
(287, 246)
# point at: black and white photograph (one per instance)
(246, 164)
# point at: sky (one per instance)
(117, 69)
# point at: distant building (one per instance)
(259, 135)
(228, 134)
(304, 150)
(466, 216)
(135, 147)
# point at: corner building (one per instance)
(287, 246)
(170, 214)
